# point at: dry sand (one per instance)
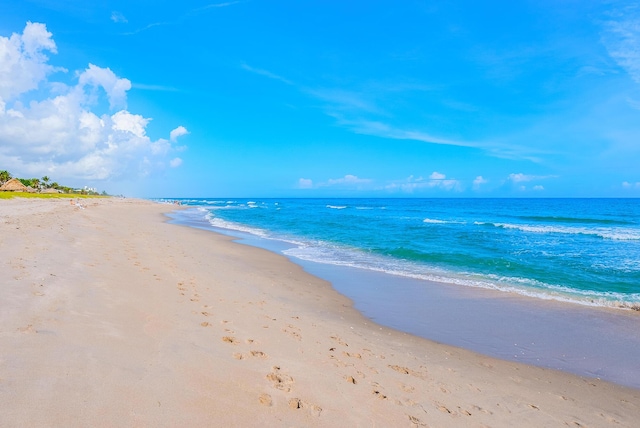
(111, 317)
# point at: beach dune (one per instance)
(110, 316)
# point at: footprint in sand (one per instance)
(252, 354)
(265, 400)
(415, 422)
(280, 380)
(443, 408)
(296, 403)
(340, 341)
(377, 392)
(408, 371)
(230, 339)
(293, 331)
(350, 379)
(407, 388)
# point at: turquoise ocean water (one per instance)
(585, 251)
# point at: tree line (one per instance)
(44, 183)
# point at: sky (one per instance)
(282, 98)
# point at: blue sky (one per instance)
(323, 98)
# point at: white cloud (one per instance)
(266, 73)
(628, 185)
(523, 178)
(436, 180)
(178, 132)
(118, 17)
(127, 122)
(479, 181)
(60, 135)
(175, 162)
(622, 40)
(347, 179)
(24, 63)
(520, 177)
(115, 88)
(538, 187)
(305, 183)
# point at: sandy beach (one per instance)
(110, 316)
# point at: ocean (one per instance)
(549, 282)
(584, 251)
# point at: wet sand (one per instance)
(109, 316)
(591, 341)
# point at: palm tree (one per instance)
(46, 181)
(5, 176)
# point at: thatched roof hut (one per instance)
(50, 190)
(13, 185)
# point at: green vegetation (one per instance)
(40, 184)
(9, 195)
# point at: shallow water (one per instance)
(593, 341)
(581, 250)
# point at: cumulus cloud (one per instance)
(62, 134)
(178, 132)
(538, 188)
(24, 62)
(115, 88)
(175, 162)
(628, 185)
(479, 181)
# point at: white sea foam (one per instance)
(223, 224)
(334, 255)
(618, 234)
(323, 252)
(434, 221)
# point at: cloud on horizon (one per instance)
(59, 134)
(436, 180)
(349, 181)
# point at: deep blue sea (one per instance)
(585, 251)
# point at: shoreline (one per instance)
(115, 317)
(510, 326)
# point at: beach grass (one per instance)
(11, 195)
